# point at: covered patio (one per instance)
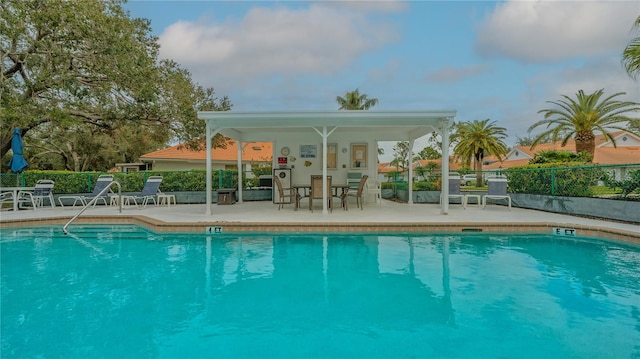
(290, 128)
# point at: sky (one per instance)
(497, 60)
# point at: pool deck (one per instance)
(387, 216)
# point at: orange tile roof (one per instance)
(255, 151)
(605, 155)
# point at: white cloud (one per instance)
(539, 31)
(273, 43)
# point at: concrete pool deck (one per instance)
(376, 217)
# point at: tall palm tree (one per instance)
(580, 118)
(477, 139)
(353, 100)
(631, 54)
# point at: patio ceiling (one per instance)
(381, 125)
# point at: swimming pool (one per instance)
(122, 291)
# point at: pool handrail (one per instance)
(84, 208)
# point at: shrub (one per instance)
(571, 179)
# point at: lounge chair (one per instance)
(454, 190)
(358, 193)
(102, 183)
(497, 189)
(21, 198)
(149, 193)
(44, 190)
(284, 193)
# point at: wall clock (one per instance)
(284, 151)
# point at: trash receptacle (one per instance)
(226, 196)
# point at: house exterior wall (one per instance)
(624, 140)
(177, 165)
(517, 155)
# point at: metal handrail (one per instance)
(93, 200)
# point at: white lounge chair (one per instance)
(497, 189)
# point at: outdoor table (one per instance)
(15, 191)
(307, 188)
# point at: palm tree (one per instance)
(631, 54)
(353, 100)
(582, 117)
(477, 139)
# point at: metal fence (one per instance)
(611, 181)
(603, 181)
(83, 182)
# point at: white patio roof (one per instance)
(379, 125)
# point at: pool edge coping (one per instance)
(156, 225)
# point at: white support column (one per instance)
(410, 160)
(209, 133)
(445, 125)
(325, 190)
(240, 170)
(208, 169)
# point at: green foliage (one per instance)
(83, 81)
(477, 139)
(353, 100)
(425, 186)
(401, 155)
(559, 179)
(579, 119)
(631, 54)
(257, 169)
(429, 153)
(68, 182)
(629, 185)
(553, 156)
(428, 171)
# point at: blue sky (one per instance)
(485, 59)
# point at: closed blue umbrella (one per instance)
(17, 162)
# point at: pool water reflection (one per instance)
(126, 292)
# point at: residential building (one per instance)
(179, 158)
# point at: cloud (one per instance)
(386, 6)
(274, 42)
(453, 74)
(542, 31)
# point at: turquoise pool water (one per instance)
(124, 292)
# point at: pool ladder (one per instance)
(93, 201)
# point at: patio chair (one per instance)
(43, 190)
(149, 193)
(316, 191)
(353, 180)
(373, 187)
(22, 197)
(497, 189)
(102, 183)
(454, 190)
(284, 193)
(358, 193)
(25, 197)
